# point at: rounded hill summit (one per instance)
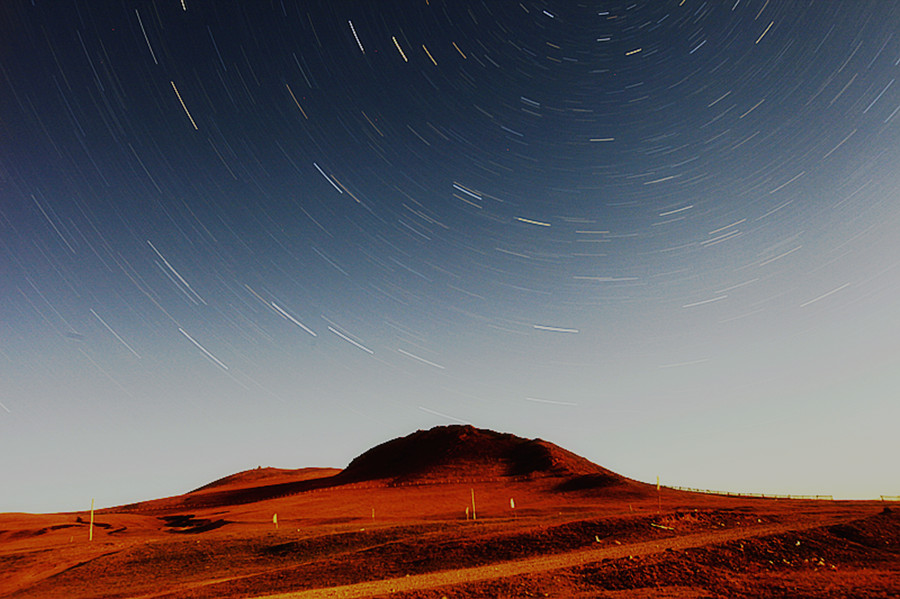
(459, 452)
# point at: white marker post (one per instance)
(473, 505)
(275, 520)
(91, 525)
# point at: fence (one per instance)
(753, 495)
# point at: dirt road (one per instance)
(554, 562)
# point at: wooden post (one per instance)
(658, 498)
(91, 526)
(474, 517)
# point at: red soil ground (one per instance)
(394, 523)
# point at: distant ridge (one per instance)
(463, 451)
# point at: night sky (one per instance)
(660, 233)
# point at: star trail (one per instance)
(662, 234)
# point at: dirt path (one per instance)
(552, 562)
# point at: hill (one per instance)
(459, 452)
(441, 454)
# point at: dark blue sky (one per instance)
(661, 234)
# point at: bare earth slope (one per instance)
(583, 560)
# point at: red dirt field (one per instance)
(394, 523)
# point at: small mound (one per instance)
(465, 452)
(259, 476)
(248, 486)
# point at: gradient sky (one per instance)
(660, 233)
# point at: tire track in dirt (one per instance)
(552, 562)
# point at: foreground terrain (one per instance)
(399, 522)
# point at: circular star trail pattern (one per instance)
(661, 234)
